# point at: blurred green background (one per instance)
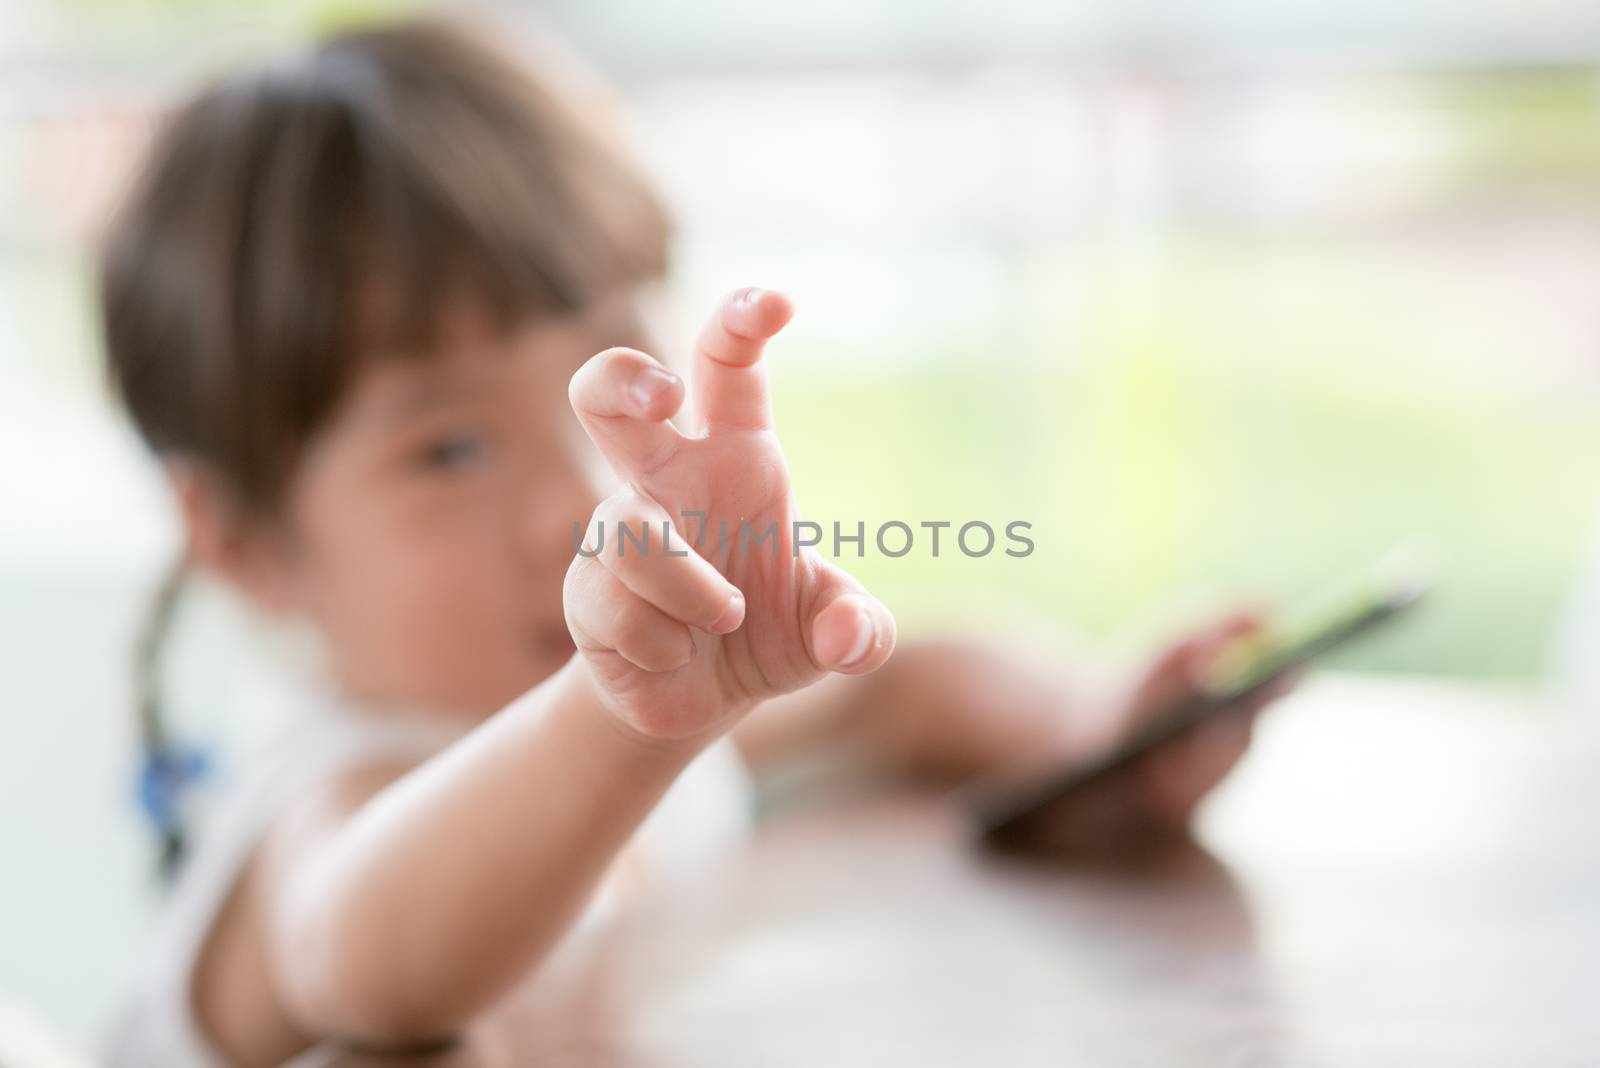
(1223, 307)
(1267, 416)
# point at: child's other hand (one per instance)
(1174, 777)
(956, 710)
(1156, 795)
(681, 645)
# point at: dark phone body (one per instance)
(1006, 813)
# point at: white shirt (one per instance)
(309, 736)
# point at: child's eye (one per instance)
(453, 451)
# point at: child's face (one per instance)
(429, 528)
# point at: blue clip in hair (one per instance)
(164, 777)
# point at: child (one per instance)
(352, 304)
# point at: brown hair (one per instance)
(296, 217)
(304, 215)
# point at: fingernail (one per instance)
(863, 645)
(753, 295)
(649, 385)
(731, 616)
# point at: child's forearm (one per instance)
(943, 710)
(824, 718)
(431, 900)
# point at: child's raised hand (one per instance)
(685, 635)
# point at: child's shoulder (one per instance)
(297, 762)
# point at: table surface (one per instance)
(1400, 874)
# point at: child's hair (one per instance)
(297, 218)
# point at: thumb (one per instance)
(1166, 679)
(1177, 672)
(850, 631)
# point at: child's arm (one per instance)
(400, 917)
(418, 910)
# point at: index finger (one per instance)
(728, 379)
(623, 399)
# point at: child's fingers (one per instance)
(1209, 642)
(729, 380)
(853, 636)
(624, 398)
(1179, 670)
(852, 632)
(1279, 688)
(602, 613)
(1166, 680)
(629, 532)
(1181, 772)
(1237, 624)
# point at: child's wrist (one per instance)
(620, 725)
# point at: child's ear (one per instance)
(226, 540)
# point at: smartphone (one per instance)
(1247, 665)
